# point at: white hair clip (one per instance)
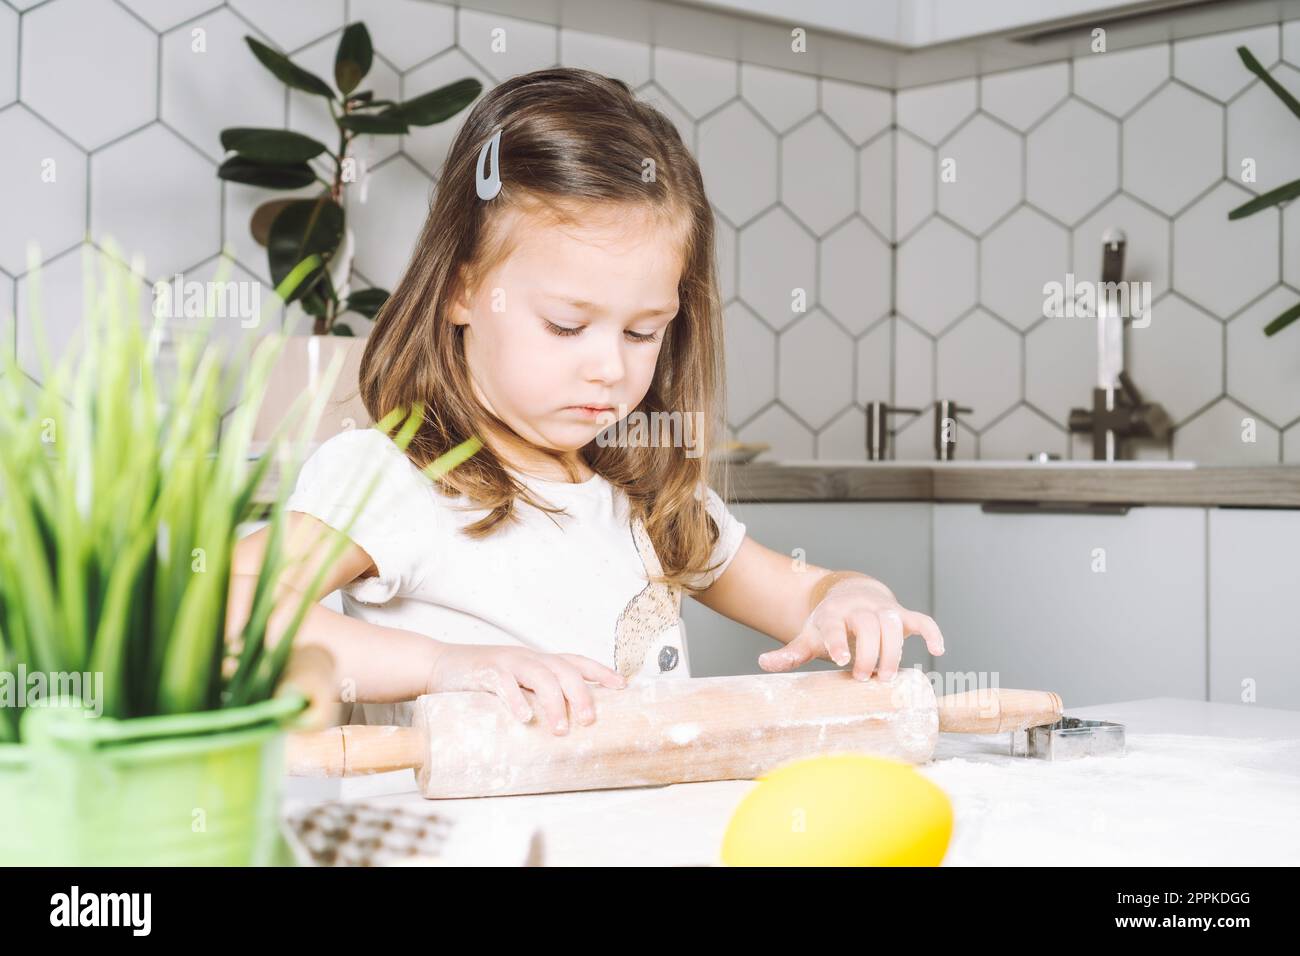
(489, 186)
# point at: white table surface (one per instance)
(1199, 784)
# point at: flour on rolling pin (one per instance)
(658, 731)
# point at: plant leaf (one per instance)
(352, 61)
(303, 228)
(238, 169)
(341, 329)
(385, 123)
(1255, 67)
(366, 302)
(259, 224)
(313, 303)
(440, 104)
(1270, 198)
(287, 72)
(281, 147)
(1283, 320)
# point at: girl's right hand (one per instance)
(503, 670)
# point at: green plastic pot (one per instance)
(198, 789)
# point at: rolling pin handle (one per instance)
(354, 750)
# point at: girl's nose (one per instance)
(605, 362)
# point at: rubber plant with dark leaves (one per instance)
(294, 229)
(1274, 196)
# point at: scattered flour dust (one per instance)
(1171, 799)
(683, 734)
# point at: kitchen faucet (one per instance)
(1118, 410)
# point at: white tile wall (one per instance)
(932, 112)
(936, 275)
(1022, 97)
(1262, 131)
(1291, 245)
(154, 167)
(1179, 356)
(750, 362)
(915, 183)
(699, 83)
(292, 23)
(737, 156)
(778, 256)
(855, 276)
(915, 288)
(407, 32)
(1014, 257)
(165, 14)
(67, 42)
(979, 362)
(1227, 433)
(1211, 64)
(1073, 161)
(45, 189)
(207, 85)
(505, 46)
(873, 371)
(8, 54)
(1118, 81)
(1262, 371)
(815, 369)
(780, 97)
(859, 111)
(876, 184)
(818, 174)
(1060, 365)
(981, 174)
(1173, 148)
(1223, 266)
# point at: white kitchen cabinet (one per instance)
(889, 541)
(1254, 627)
(910, 24)
(1025, 600)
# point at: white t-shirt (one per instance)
(574, 583)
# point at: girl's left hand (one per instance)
(868, 611)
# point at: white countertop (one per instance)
(1199, 784)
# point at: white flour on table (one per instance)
(1171, 799)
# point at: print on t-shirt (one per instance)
(656, 608)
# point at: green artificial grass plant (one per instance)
(119, 512)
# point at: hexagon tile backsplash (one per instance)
(872, 245)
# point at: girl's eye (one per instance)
(634, 336)
(561, 329)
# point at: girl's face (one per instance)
(573, 316)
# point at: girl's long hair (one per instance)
(569, 138)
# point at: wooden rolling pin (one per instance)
(665, 731)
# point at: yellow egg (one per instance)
(840, 810)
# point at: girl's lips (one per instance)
(591, 411)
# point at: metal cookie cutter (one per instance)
(1068, 738)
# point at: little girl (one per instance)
(563, 279)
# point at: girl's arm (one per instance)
(376, 664)
(817, 612)
(372, 663)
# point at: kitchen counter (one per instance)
(1060, 482)
(1200, 784)
(1137, 482)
